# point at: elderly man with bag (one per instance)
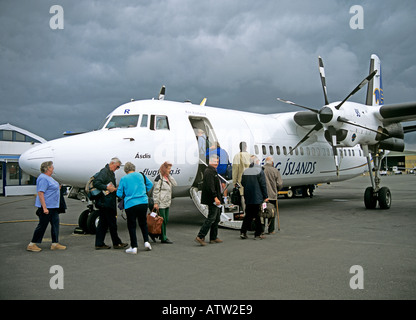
(274, 183)
(106, 203)
(211, 195)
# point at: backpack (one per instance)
(90, 190)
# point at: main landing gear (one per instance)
(375, 194)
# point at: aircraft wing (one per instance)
(394, 113)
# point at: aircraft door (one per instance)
(205, 137)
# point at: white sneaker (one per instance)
(147, 246)
(131, 250)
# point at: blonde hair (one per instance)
(164, 167)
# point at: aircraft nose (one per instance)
(31, 160)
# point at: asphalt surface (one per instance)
(309, 258)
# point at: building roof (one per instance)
(10, 127)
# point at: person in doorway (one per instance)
(106, 203)
(211, 195)
(47, 202)
(162, 196)
(133, 189)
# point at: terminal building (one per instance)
(13, 142)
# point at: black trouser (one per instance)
(44, 219)
(108, 220)
(137, 213)
(252, 212)
(211, 222)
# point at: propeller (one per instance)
(326, 114)
(357, 88)
(317, 127)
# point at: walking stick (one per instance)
(278, 219)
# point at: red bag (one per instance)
(154, 223)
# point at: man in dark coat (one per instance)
(107, 205)
(211, 195)
(255, 193)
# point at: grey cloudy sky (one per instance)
(240, 54)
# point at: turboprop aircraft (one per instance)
(337, 142)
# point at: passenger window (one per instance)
(263, 148)
(143, 124)
(278, 150)
(301, 151)
(256, 149)
(284, 150)
(271, 150)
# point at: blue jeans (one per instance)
(44, 220)
(214, 216)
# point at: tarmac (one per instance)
(313, 256)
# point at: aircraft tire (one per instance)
(384, 198)
(370, 200)
(82, 220)
(92, 221)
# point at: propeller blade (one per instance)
(306, 137)
(335, 151)
(297, 105)
(323, 81)
(341, 119)
(357, 88)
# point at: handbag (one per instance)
(154, 223)
(236, 197)
(267, 210)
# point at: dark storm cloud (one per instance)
(238, 54)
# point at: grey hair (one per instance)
(45, 166)
(254, 159)
(129, 167)
(115, 160)
(213, 157)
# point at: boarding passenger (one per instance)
(222, 165)
(241, 162)
(107, 206)
(274, 183)
(211, 195)
(162, 196)
(133, 189)
(255, 193)
(47, 202)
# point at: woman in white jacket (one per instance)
(162, 195)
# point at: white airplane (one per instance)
(337, 142)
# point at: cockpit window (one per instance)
(159, 122)
(124, 121)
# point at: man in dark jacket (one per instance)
(211, 195)
(255, 193)
(107, 205)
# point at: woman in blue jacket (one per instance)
(132, 189)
